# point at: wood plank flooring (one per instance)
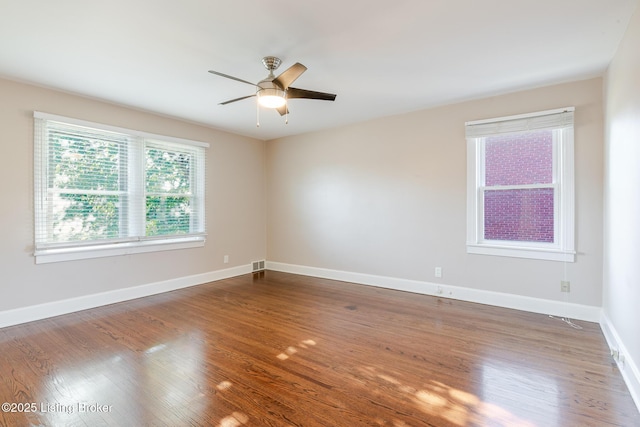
(276, 349)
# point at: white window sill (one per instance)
(522, 252)
(48, 255)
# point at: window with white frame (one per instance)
(102, 190)
(520, 186)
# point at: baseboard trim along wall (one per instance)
(57, 308)
(518, 302)
(627, 366)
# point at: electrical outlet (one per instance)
(565, 286)
(226, 259)
(438, 272)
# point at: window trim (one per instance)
(564, 205)
(67, 251)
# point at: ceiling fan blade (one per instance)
(232, 78)
(237, 99)
(289, 75)
(292, 92)
(283, 110)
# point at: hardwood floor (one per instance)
(277, 349)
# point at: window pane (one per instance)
(519, 215)
(80, 162)
(519, 158)
(84, 183)
(168, 171)
(168, 215)
(168, 190)
(77, 217)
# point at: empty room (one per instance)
(277, 213)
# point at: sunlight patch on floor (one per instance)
(234, 420)
(224, 385)
(439, 400)
(291, 350)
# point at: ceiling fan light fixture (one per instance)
(271, 97)
(274, 92)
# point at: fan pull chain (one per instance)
(257, 114)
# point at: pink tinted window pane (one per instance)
(519, 158)
(524, 215)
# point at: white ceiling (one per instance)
(381, 58)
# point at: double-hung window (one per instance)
(520, 186)
(102, 190)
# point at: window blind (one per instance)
(98, 185)
(552, 119)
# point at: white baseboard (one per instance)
(57, 308)
(518, 302)
(629, 367)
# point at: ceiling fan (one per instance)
(273, 92)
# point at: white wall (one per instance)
(235, 204)
(388, 198)
(621, 301)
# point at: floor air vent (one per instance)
(258, 266)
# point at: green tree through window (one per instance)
(168, 191)
(109, 185)
(84, 186)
